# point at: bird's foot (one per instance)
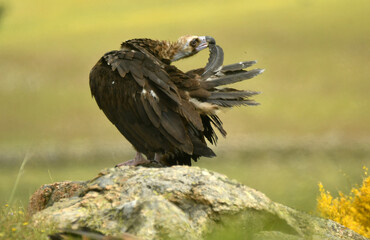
(137, 161)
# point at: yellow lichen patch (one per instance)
(353, 210)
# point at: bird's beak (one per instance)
(210, 40)
(204, 42)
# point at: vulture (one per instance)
(165, 113)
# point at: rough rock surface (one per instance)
(173, 203)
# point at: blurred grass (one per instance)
(316, 56)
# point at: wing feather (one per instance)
(173, 125)
(154, 118)
(157, 104)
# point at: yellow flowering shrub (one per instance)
(352, 211)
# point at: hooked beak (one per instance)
(204, 42)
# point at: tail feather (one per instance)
(231, 78)
(233, 103)
(212, 79)
(238, 66)
(230, 97)
(209, 133)
(231, 94)
(216, 121)
(201, 149)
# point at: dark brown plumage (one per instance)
(164, 113)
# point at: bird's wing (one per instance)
(143, 70)
(157, 99)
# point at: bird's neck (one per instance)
(165, 51)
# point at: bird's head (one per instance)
(187, 46)
(167, 51)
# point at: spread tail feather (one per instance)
(214, 95)
(231, 93)
(230, 97)
(238, 66)
(233, 103)
(230, 78)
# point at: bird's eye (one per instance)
(194, 42)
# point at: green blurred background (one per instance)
(312, 124)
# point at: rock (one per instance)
(48, 194)
(174, 203)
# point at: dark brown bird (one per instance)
(164, 113)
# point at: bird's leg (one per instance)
(158, 159)
(138, 160)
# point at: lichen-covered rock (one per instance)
(174, 203)
(46, 195)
